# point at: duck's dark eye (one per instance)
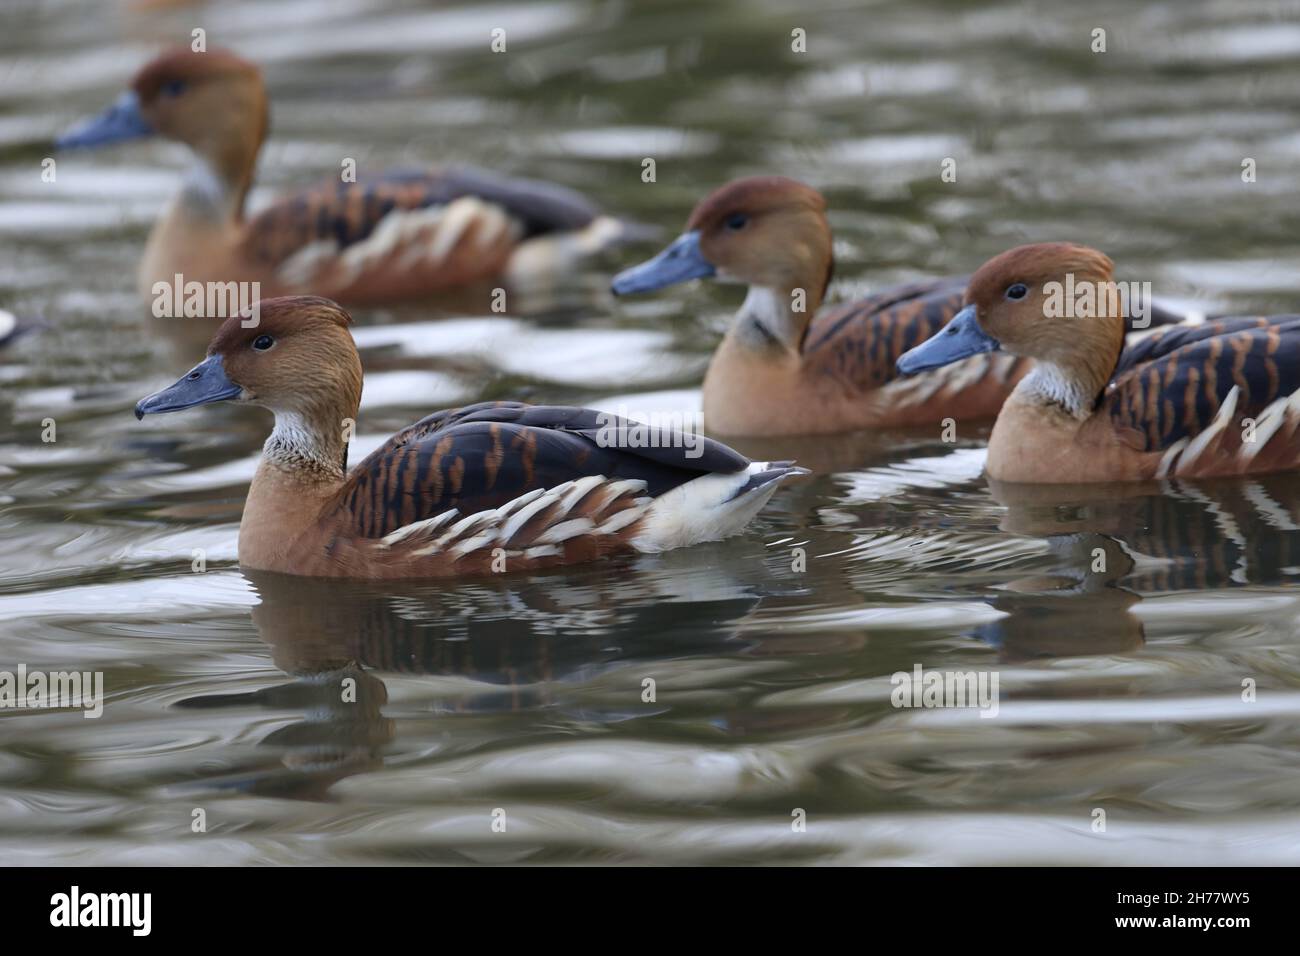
(1017, 291)
(172, 88)
(737, 221)
(263, 342)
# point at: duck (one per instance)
(14, 327)
(1215, 399)
(485, 488)
(389, 237)
(788, 367)
(9, 328)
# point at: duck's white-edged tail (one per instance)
(711, 507)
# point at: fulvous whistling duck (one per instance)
(384, 238)
(784, 368)
(488, 487)
(1215, 399)
(9, 328)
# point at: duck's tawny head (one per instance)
(766, 231)
(212, 101)
(1030, 301)
(293, 355)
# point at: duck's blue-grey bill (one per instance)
(959, 339)
(680, 262)
(121, 121)
(203, 384)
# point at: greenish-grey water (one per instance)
(357, 724)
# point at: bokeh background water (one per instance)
(1121, 677)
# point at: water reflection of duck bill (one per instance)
(1078, 609)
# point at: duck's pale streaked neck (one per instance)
(206, 194)
(308, 448)
(202, 191)
(768, 319)
(1048, 384)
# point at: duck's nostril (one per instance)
(192, 376)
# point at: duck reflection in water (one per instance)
(1117, 543)
(498, 646)
(1077, 609)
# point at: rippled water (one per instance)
(1121, 623)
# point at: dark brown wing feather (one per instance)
(483, 456)
(348, 213)
(1170, 385)
(859, 342)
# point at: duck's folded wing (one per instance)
(414, 218)
(1191, 384)
(488, 456)
(859, 343)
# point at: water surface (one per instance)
(358, 724)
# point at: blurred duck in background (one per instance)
(1209, 400)
(490, 487)
(786, 368)
(12, 328)
(395, 236)
(9, 329)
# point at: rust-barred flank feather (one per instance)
(491, 487)
(485, 456)
(1172, 384)
(418, 231)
